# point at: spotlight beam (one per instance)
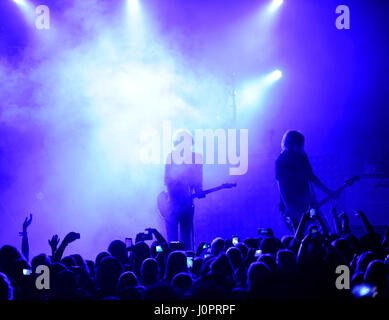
(274, 76)
(133, 6)
(26, 8)
(252, 92)
(275, 5)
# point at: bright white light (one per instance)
(253, 91)
(20, 2)
(133, 6)
(27, 9)
(135, 22)
(275, 5)
(274, 76)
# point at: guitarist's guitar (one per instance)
(346, 184)
(295, 216)
(163, 200)
(350, 182)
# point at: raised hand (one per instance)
(368, 226)
(70, 237)
(54, 242)
(23, 234)
(343, 216)
(151, 230)
(157, 235)
(27, 222)
(359, 213)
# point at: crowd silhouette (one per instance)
(299, 266)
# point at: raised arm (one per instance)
(368, 226)
(385, 241)
(338, 223)
(70, 237)
(299, 235)
(53, 245)
(25, 245)
(323, 226)
(345, 223)
(157, 235)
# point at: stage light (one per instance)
(252, 92)
(133, 6)
(134, 16)
(20, 2)
(274, 76)
(275, 5)
(27, 9)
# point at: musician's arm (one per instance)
(320, 185)
(314, 179)
(283, 194)
(283, 183)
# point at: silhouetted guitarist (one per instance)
(183, 178)
(296, 179)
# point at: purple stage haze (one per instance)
(75, 99)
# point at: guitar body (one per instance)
(163, 203)
(165, 207)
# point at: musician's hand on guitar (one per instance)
(199, 194)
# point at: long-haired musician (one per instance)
(296, 179)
